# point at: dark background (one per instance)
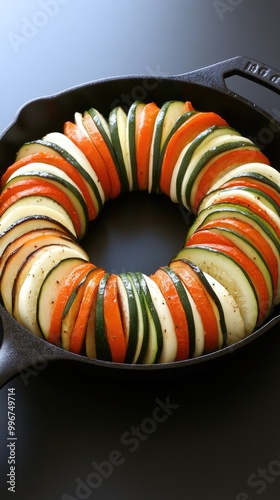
(220, 438)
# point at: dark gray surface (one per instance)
(220, 438)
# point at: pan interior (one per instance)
(137, 232)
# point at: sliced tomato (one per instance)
(113, 321)
(257, 279)
(65, 291)
(204, 236)
(57, 161)
(184, 135)
(240, 198)
(89, 295)
(188, 107)
(255, 238)
(204, 304)
(143, 143)
(170, 293)
(72, 131)
(103, 149)
(31, 187)
(219, 165)
(253, 183)
(32, 239)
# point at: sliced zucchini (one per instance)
(118, 129)
(72, 307)
(234, 324)
(89, 327)
(42, 167)
(103, 127)
(49, 291)
(30, 278)
(143, 322)
(18, 249)
(177, 124)
(169, 348)
(56, 150)
(155, 341)
(72, 153)
(39, 146)
(191, 153)
(254, 255)
(217, 307)
(199, 161)
(66, 186)
(247, 193)
(204, 162)
(166, 118)
(129, 313)
(233, 210)
(167, 344)
(52, 170)
(235, 279)
(32, 206)
(103, 351)
(25, 225)
(198, 325)
(188, 310)
(31, 237)
(131, 135)
(257, 170)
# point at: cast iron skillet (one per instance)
(206, 89)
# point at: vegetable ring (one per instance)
(221, 286)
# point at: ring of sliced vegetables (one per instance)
(221, 286)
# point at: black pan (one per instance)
(207, 90)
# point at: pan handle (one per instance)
(248, 68)
(22, 353)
